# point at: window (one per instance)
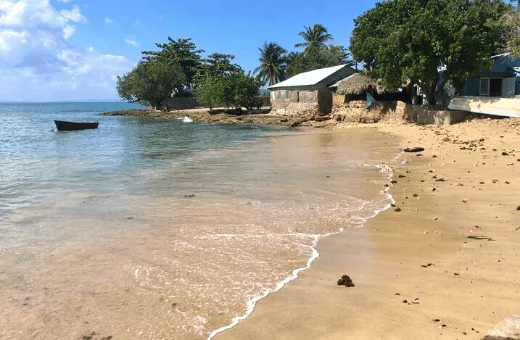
(484, 87)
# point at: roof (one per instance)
(337, 83)
(356, 83)
(507, 54)
(309, 78)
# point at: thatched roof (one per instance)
(357, 84)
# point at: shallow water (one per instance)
(163, 230)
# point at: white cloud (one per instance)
(73, 15)
(38, 62)
(131, 42)
(108, 20)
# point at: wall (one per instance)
(282, 98)
(181, 103)
(338, 100)
(325, 102)
(292, 103)
(472, 86)
(357, 112)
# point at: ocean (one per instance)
(160, 229)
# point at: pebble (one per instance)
(346, 281)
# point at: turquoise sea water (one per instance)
(37, 162)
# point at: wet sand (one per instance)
(417, 275)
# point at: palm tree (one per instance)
(273, 61)
(314, 36)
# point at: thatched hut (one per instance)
(355, 85)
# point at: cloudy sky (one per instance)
(54, 50)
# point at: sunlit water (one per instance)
(160, 229)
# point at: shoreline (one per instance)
(203, 116)
(394, 244)
(252, 303)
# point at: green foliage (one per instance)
(276, 65)
(315, 58)
(151, 82)
(273, 62)
(182, 52)
(210, 91)
(512, 22)
(402, 40)
(219, 64)
(246, 90)
(235, 89)
(313, 37)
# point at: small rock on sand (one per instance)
(346, 281)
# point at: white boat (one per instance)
(496, 106)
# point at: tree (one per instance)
(246, 90)
(273, 61)
(315, 36)
(182, 52)
(402, 40)
(235, 89)
(151, 82)
(317, 57)
(210, 91)
(512, 20)
(218, 64)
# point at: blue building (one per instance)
(502, 81)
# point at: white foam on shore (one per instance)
(251, 304)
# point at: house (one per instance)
(308, 92)
(494, 91)
(501, 81)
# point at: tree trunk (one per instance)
(430, 93)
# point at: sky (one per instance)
(59, 50)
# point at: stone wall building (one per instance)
(308, 92)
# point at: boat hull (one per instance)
(73, 126)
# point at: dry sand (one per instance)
(454, 287)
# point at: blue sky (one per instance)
(73, 49)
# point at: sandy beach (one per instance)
(417, 275)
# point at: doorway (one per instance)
(495, 87)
